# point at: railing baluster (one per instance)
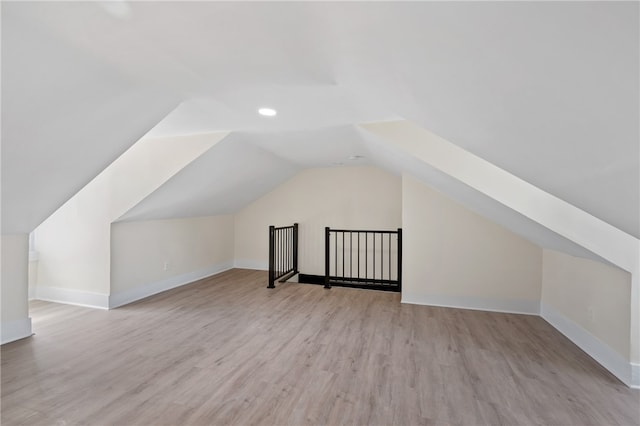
(381, 255)
(399, 259)
(350, 254)
(374, 256)
(295, 247)
(389, 257)
(271, 252)
(342, 253)
(358, 254)
(289, 238)
(335, 236)
(290, 254)
(327, 241)
(281, 250)
(366, 255)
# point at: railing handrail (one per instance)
(362, 231)
(276, 228)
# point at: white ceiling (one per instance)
(548, 91)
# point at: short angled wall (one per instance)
(456, 258)
(74, 242)
(589, 302)
(149, 257)
(596, 348)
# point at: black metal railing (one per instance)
(283, 253)
(364, 259)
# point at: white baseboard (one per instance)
(594, 347)
(635, 376)
(72, 297)
(251, 264)
(149, 289)
(15, 330)
(511, 306)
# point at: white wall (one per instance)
(33, 273)
(589, 302)
(16, 323)
(73, 243)
(454, 257)
(338, 197)
(152, 256)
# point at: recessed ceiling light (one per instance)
(267, 112)
(356, 157)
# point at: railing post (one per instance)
(400, 259)
(326, 258)
(272, 231)
(295, 248)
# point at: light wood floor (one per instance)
(227, 350)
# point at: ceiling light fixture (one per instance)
(267, 112)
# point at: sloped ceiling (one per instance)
(65, 117)
(548, 91)
(229, 176)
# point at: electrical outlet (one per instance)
(165, 266)
(591, 313)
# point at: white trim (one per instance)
(511, 306)
(15, 330)
(635, 376)
(72, 297)
(251, 264)
(594, 347)
(149, 289)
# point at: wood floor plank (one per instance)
(226, 350)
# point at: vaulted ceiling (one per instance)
(547, 91)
